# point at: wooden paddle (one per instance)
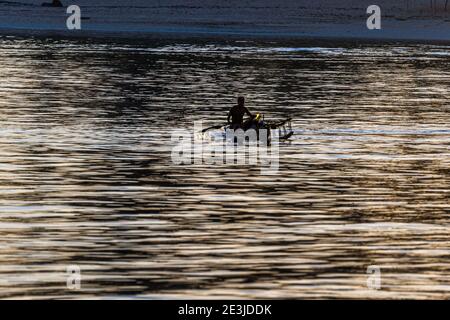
(213, 128)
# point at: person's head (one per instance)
(241, 101)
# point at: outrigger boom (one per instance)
(284, 128)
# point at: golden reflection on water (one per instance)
(86, 176)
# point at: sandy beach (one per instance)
(407, 20)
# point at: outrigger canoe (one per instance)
(281, 128)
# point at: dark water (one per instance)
(86, 176)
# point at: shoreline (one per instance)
(212, 35)
(262, 19)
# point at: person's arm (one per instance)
(248, 112)
(228, 119)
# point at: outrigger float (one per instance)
(282, 129)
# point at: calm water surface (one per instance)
(86, 176)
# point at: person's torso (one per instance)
(237, 114)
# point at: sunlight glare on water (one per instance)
(86, 176)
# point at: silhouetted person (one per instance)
(237, 114)
(55, 3)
